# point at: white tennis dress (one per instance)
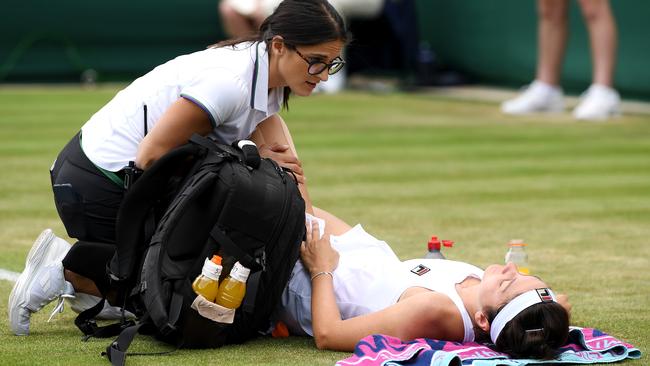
(370, 278)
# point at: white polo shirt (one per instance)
(231, 85)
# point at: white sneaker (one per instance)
(599, 102)
(40, 283)
(538, 97)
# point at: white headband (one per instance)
(516, 306)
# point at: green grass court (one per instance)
(406, 166)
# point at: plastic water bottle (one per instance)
(517, 255)
(207, 283)
(232, 289)
(434, 248)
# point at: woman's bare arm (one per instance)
(174, 128)
(422, 315)
(428, 314)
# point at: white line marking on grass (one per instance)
(8, 275)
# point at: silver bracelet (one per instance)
(322, 273)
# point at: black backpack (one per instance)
(201, 199)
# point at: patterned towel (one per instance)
(586, 345)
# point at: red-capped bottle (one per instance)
(433, 247)
(447, 243)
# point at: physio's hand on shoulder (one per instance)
(317, 254)
(283, 156)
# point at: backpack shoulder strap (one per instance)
(116, 352)
(85, 321)
(254, 264)
(243, 150)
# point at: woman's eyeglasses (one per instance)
(316, 67)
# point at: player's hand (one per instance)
(317, 254)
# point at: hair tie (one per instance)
(534, 330)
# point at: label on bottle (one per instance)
(239, 272)
(211, 269)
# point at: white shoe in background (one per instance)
(41, 282)
(334, 84)
(538, 97)
(599, 102)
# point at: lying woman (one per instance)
(350, 285)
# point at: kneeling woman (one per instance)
(350, 285)
(233, 90)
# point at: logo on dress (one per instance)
(420, 270)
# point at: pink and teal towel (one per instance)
(586, 345)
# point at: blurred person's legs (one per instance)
(358, 8)
(600, 101)
(241, 18)
(544, 93)
(234, 23)
(552, 34)
(349, 9)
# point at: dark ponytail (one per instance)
(299, 23)
(537, 332)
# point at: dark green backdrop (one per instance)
(41, 40)
(491, 40)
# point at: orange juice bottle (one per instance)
(232, 289)
(207, 283)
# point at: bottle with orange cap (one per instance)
(517, 255)
(207, 283)
(434, 247)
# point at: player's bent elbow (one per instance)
(322, 340)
